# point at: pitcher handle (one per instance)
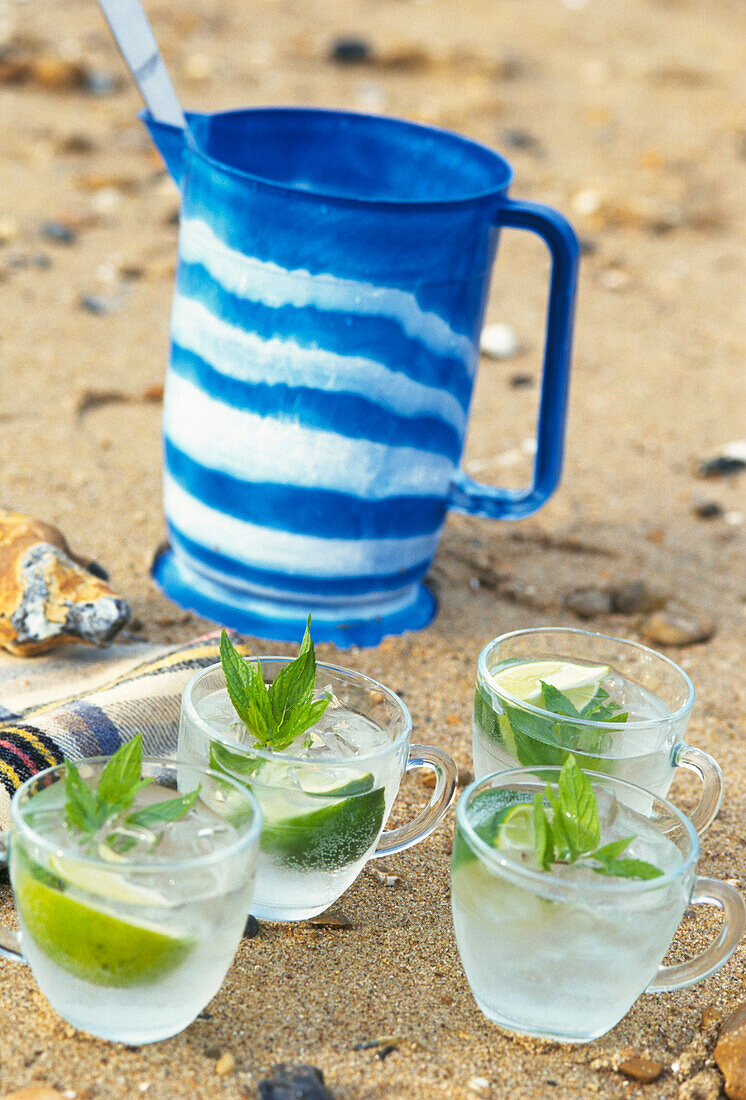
(467, 495)
(707, 891)
(10, 942)
(446, 781)
(708, 770)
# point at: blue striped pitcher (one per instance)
(331, 286)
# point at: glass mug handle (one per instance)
(470, 496)
(10, 942)
(446, 781)
(708, 770)
(707, 891)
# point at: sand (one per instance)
(626, 116)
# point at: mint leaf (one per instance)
(578, 807)
(88, 810)
(82, 805)
(565, 851)
(557, 702)
(543, 840)
(612, 850)
(278, 715)
(159, 812)
(629, 868)
(246, 690)
(120, 780)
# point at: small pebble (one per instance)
(98, 82)
(225, 1064)
(198, 68)
(252, 928)
(632, 597)
(385, 878)
(97, 305)
(730, 460)
(587, 603)
(10, 229)
(521, 381)
(522, 139)
(59, 233)
(730, 1053)
(707, 509)
(479, 1085)
(34, 1092)
(641, 1069)
(350, 51)
(289, 1082)
(676, 626)
(57, 73)
(705, 1085)
(587, 202)
(332, 918)
(499, 341)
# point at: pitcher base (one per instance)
(345, 625)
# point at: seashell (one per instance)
(49, 596)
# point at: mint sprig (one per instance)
(278, 714)
(87, 810)
(572, 833)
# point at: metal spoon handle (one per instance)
(134, 36)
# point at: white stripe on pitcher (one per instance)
(249, 358)
(267, 282)
(251, 447)
(268, 548)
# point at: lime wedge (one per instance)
(578, 682)
(89, 942)
(516, 830)
(313, 819)
(106, 884)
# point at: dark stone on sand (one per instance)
(521, 139)
(631, 597)
(587, 603)
(96, 305)
(521, 381)
(350, 51)
(252, 928)
(722, 466)
(59, 233)
(97, 82)
(707, 509)
(289, 1082)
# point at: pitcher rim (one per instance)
(389, 122)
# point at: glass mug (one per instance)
(131, 950)
(332, 281)
(646, 751)
(564, 955)
(323, 815)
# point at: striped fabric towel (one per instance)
(79, 704)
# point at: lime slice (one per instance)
(90, 943)
(312, 819)
(516, 830)
(489, 812)
(578, 682)
(106, 884)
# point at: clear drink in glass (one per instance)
(131, 943)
